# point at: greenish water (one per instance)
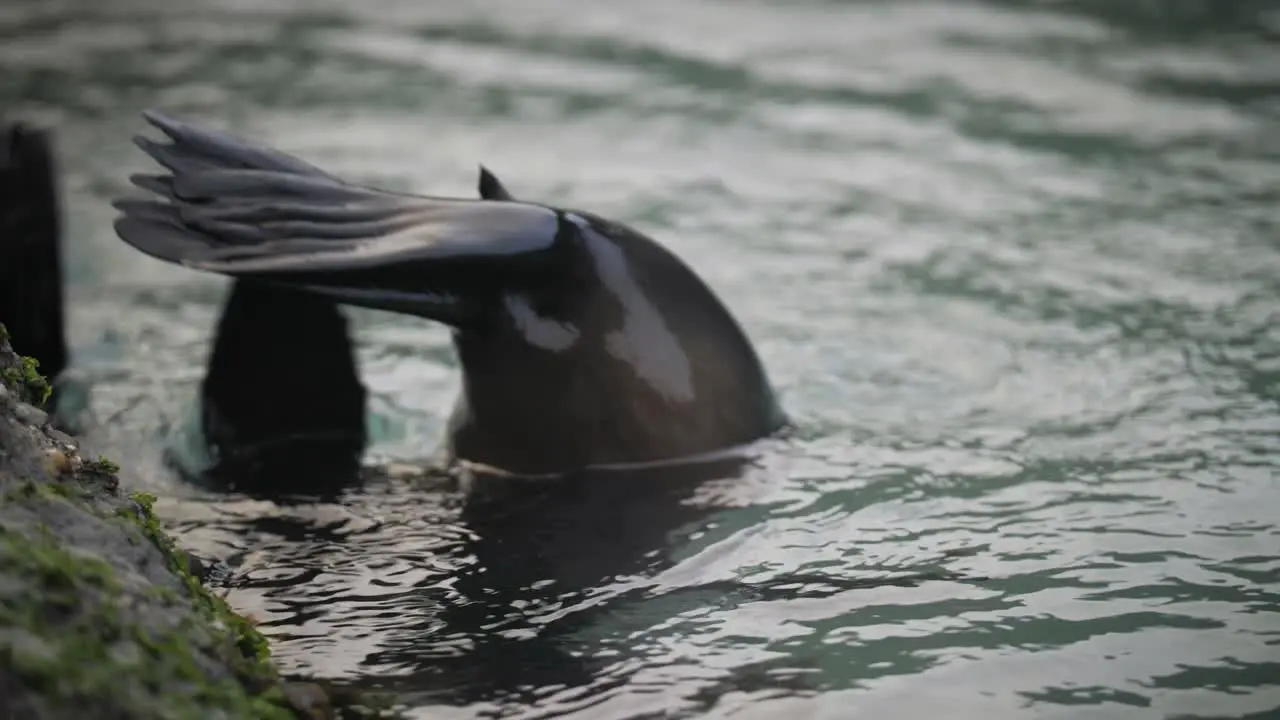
(1014, 267)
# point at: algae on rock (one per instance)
(100, 615)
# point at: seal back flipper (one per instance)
(231, 208)
(194, 146)
(308, 435)
(31, 291)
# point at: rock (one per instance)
(66, 441)
(33, 416)
(308, 700)
(94, 612)
(99, 609)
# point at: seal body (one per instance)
(629, 358)
(583, 343)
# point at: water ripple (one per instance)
(1022, 269)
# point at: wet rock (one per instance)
(29, 415)
(309, 701)
(66, 441)
(92, 612)
(99, 609)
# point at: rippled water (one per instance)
(1013, 266)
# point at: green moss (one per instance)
(26, 380)
(102, 466)
(250, 656)
(69, 490)
(22, 489)
(255, 669)
(65, 642)
(69, 647)
(27, 489)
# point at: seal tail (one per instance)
(232, 208)
(31, 292)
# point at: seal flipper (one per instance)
(288, 340)
(491, 188)
(306, 433)
(219, 149)
(249, 212)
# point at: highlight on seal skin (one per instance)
(583, 343)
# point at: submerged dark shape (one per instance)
(582, 342)
(31, 293)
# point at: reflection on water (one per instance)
(1012, 264)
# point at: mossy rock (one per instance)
(21, 375)
(100, 613)
(69, 644)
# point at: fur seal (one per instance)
(583, 343)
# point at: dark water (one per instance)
(1014, 267)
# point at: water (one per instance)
(1013, 267)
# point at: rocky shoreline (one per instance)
(100, 612)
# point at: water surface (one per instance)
(1014, 268)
